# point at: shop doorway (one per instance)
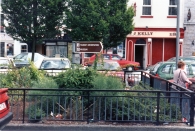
(140, 48)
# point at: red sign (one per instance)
(88, 46)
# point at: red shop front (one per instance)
(151, 45)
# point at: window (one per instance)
(166, 69)
(172, 7)
(146, 7)
(23, 48)
(193, 69)
(106, 57)
(115, 57)
(10, 49)
(87, 55)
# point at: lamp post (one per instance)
(178, 32)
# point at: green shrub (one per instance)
(21, 78)
(35, 112)
(76, 78)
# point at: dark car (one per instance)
(130, 65)
(165, 69)
(5, 114)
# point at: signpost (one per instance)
(88, 46)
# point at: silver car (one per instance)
(54, 66)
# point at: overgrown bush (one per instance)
(42, 97)
(76, 78)
(21, 78)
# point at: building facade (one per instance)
(189, 25)
(154, 36)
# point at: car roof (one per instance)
(55, 58)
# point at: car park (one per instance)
(5, 114)
(165, 69)
(54, 65)
(23, 59)
(130, 65)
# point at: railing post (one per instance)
(192, 110)
(124, 76)
(142, 75)
(151, 81)
(158, 104)
(24, 97)
(88, 107)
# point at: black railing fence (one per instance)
(168, 103)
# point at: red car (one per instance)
(122, 62)
(5, 114)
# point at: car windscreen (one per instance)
(55, 64)
(22, 56)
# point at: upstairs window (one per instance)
(146, 10)
(172, 7)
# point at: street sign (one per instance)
(88, 47)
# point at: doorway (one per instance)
(140, 50)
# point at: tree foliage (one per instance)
(108, 21)
(31, 21)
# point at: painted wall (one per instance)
(159, 13)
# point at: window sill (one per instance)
(143, 16)
(174, 16)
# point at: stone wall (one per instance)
(189, 34)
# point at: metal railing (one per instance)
(168, 103)
(102, 105)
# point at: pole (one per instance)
(178, 32)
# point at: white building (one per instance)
(154, 36)
(8, 46)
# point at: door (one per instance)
(140, 52)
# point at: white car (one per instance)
(54, 66)
(22, 59)
(5, 64)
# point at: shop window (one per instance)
(146, 10)
(52, 51)
(172, 7)
(23, 48)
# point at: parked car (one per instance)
(5, 114)
(54, 65)
(183, 58)
(130, 65)
(165, 69)
(23, 59)
(110, 67)
(5, 64)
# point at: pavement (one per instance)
(90, 127)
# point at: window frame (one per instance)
(147, 6)
(171, 6)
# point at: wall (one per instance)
(188, 47)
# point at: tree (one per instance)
(31, 21)
(108, 21)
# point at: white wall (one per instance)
(159, 13)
